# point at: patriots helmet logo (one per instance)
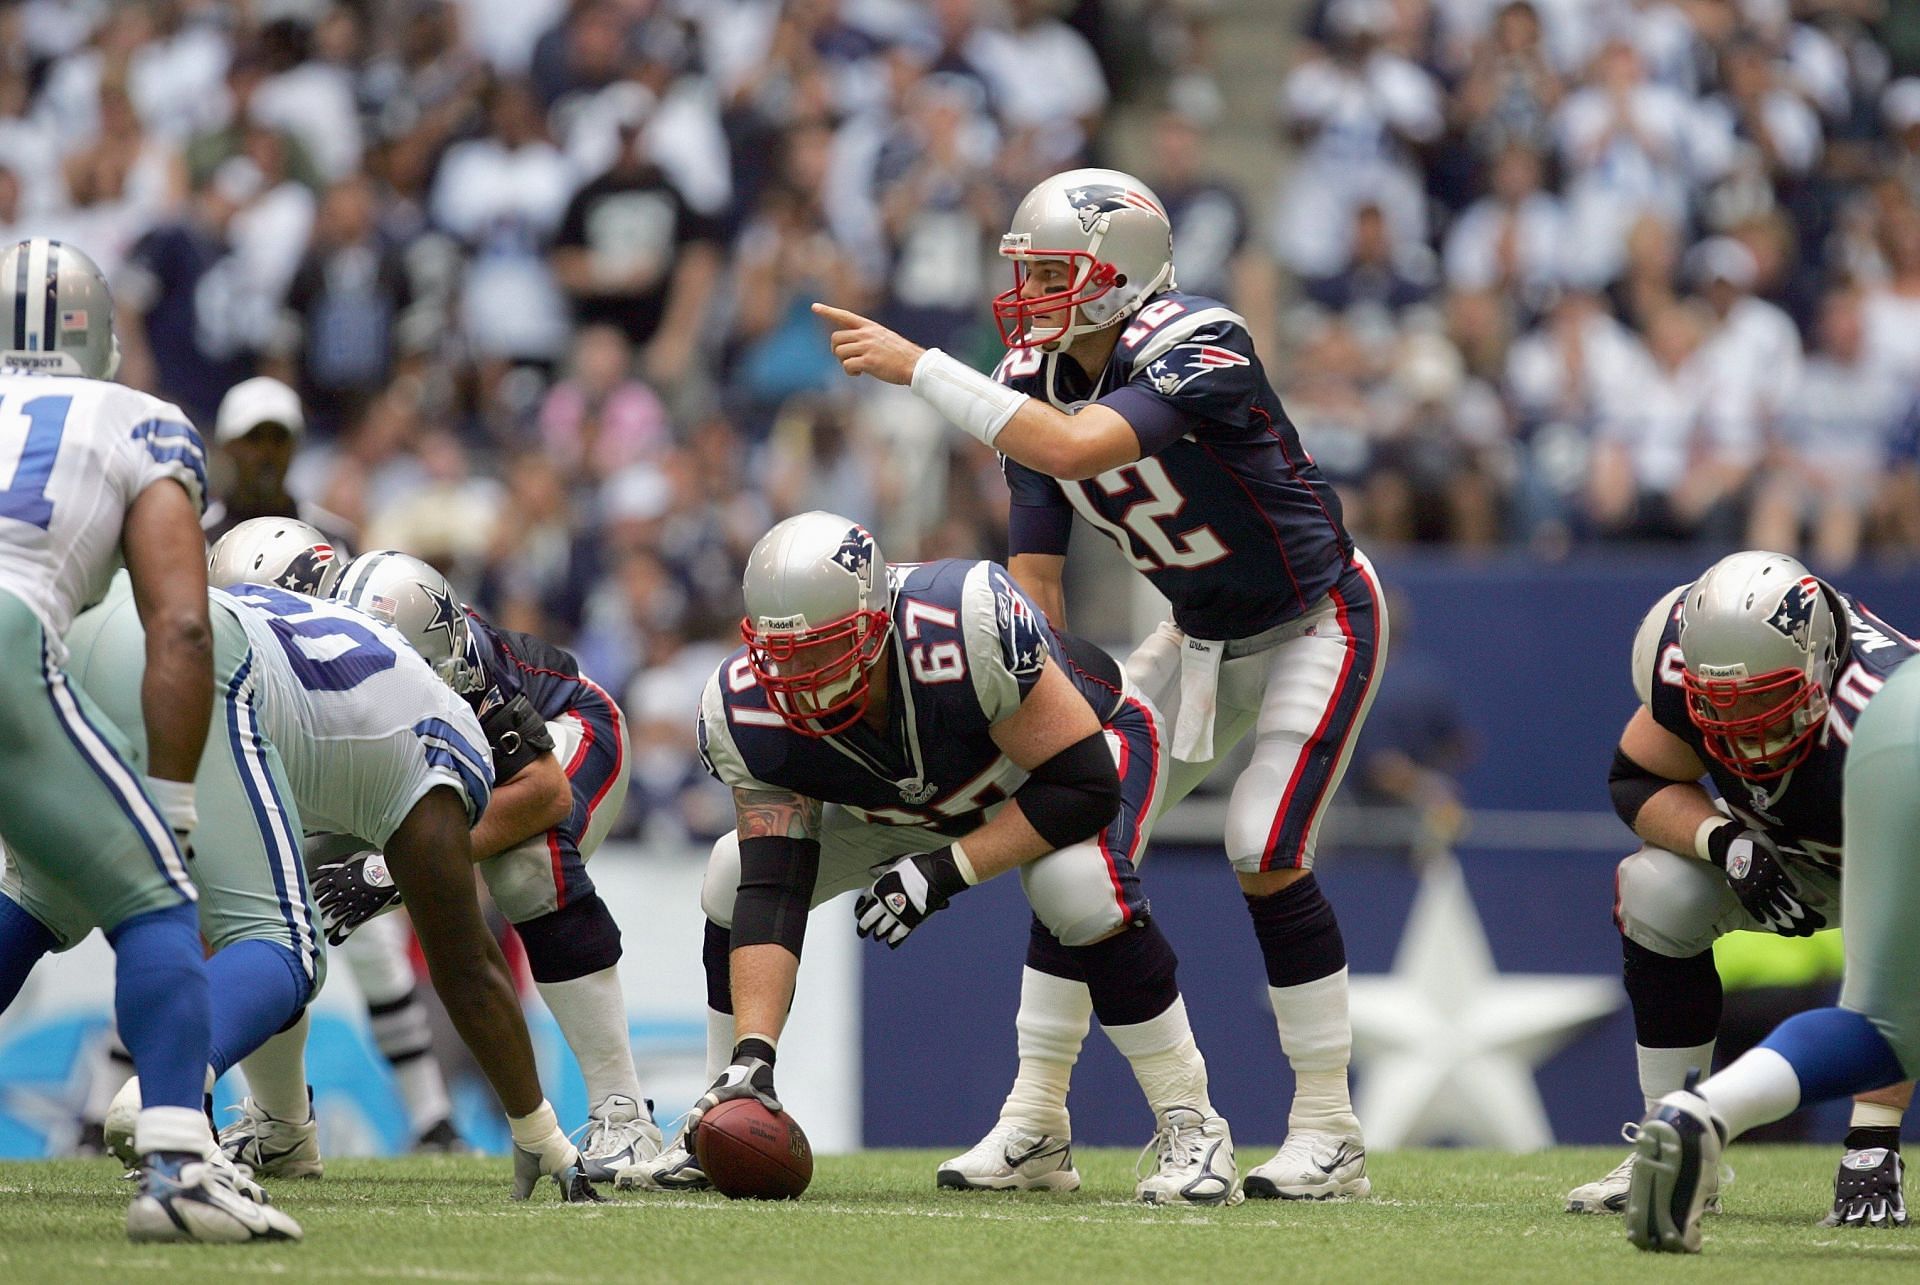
(1181, 365)
(1794, 616)
(1094, 200)
(856, 553)
(308, 570)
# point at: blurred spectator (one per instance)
(1379, 274)
(1834, 444)
(1436, 472)
(600, 419)
(1511, 238)
(444, 513)
(1210, 254)
(1892, 307)
(1511, 90)
(1752, 358)
(1356, 115)
(632, 253)
(258, 427)
(539, 568)
(1047, 84)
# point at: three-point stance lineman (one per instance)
(1147, 412)
(912, 731)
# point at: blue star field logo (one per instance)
(446, 614)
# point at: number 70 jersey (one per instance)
(74, 455)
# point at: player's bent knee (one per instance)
(1264, 883)
(578, 939)
(1072, 892)
(1671, 904)
(722, 882)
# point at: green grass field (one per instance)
(1439, 1217)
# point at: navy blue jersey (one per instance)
(1224, 511)
(1800, 810)
(528, 683)
(966, 648)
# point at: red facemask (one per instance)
(1016, 317)
(779, 660)
(1754, 747)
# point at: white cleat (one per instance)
(1608, 1195)
(185, 1198)
(1677, 1154)
(116, 1130)
(1193, 1162)
(620, 1132)
(675, 1169)
(274, 1148)
(1313, 1166)
(1012, 1158)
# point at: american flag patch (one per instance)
(74, 319)
(381, 605)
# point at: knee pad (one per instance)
(575, 940)
(1072, 893)
(722, 882)
(1676, 1002)
(716, 957)
(1670, 904)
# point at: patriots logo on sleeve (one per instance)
(1794, 616)
(1094, 200)
(1023, 634)
(1181, 365)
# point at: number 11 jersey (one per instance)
(1224, 511)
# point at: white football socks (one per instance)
(1876, 1115)
(719, 1042)
(1760, 1086)
(1317, 1038)
(172, 1129)
(1662, 1071)
(277, 1073)
(592, 1014)
(1055, 1015)
(1165, 1060)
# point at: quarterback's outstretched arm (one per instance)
(166, 560)
(1084, 444)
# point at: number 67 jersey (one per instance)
(1224, 511)
(74, 455)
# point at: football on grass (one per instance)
(749, 1153)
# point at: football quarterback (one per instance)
(1147, 412)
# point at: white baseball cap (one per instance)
(257, 401)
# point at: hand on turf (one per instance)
(1763, 881)
(559, 1159)
(864, 347)
(750, 1075)
(906, 892)
(1867, 1191)
(352, 891)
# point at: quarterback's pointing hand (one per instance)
(864, 347)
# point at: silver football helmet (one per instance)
(1114, 235)
(276, 551)
(1761, 639)
(817, 620)
(417, 600)
(56, 315)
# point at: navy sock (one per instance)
(1298, 933)
(261, 988)
(1130, 975)
(160, 1002)
(23, 940)
(716, 955)
(1676, 1002)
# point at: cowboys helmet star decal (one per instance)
(446, 612)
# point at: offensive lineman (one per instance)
(1752, 676)
(559, 745)
(1871, 1040)
(956, 736)
(1153, 412)
(96, 473)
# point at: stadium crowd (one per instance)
(1558, 271)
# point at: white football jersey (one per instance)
(76, 453)
(362, 723)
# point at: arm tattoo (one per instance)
(776, 813)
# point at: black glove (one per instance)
(906, 892)
(352, 891)
(750, 1075)
(1866, 1190)
(1763, 881)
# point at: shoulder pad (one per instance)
(1173, 318)
(1006, 639)
(720, 752)
(1646, 642)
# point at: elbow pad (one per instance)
(777, 875)
(1632, 785)
(1071, 797)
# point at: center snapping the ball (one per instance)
(751, 1153)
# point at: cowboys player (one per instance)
(910, 732)
(97, 473)
(559, 745)
(1147, 412)
(1873, 1038)
(1752, 677)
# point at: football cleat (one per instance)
(1313, 1166)
(1192, 1162)
(675, 1169)
(273, 1148)
(1677, 1153)
(183, 1197)
(1608, 1195)
(1867, 1190)
(619, 1132)
(1012, 1158)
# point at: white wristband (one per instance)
(538, 1132)
(961, 862)
(970, 399)
(175, 801)
(1701, 848)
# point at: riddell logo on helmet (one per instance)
(783, 624)
(1721, 671)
